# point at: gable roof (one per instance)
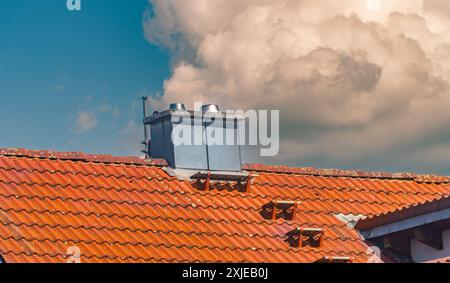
(130, 210)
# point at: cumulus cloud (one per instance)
(356, 86)
(86, 121)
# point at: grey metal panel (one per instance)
(168, 150)
(408, 223)
(249, 153)
(157, 140)
(191, 156)
(220, 155)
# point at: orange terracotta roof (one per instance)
(79, 156)
(440, 260)
(131, 210)
(404, 213)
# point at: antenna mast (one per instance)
(146, 140)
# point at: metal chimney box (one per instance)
(202, 155)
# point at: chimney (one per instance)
(198, 127)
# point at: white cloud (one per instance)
(86, 121)
(354, 85)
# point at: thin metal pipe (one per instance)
(144, 108)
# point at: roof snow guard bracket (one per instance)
(335, 259)
(205, 179)
(279, 209)
(301, 237)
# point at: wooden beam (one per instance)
(430, 236)
(398, 243)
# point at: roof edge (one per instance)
(133, 160)
(421, 178)
(441, 203)
(80, 156)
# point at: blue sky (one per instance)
(56, 65)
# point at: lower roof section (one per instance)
(423, 213)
